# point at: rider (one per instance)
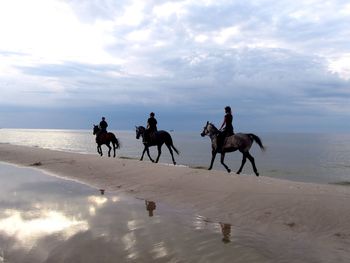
(103, 125)
(103, 128)
(151, 127)
(226, 127)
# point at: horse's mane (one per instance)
(216, 129)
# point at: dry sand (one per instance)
(309, 221)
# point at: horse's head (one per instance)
(209, 129)
(95, 130)
(140, 130)
(205, 130)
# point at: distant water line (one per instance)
(321, 158)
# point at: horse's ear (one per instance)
(207, 122)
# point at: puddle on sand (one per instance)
(48, 219)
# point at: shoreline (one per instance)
(317, 214)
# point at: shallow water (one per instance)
(48, 219)
(321, 158)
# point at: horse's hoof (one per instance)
(228, 170)
(209, 168)
(257, 174)
(174, 163)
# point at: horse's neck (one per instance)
(213, 132)
(142, 131)
(98, 133)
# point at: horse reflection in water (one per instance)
(150, 207)
(158, 139)
(239, 141)
(226, 232)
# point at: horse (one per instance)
(238, 141)
(159, 138)
(105, 138)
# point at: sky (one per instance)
(282, 66)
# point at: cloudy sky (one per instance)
(281, 65)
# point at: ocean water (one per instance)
(321, 158)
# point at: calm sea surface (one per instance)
(322, 158)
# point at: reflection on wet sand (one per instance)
(226, 232)
(150, 207)
(45, 219)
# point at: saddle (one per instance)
(224, 138)
(150, 137)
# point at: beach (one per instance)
(293, 219)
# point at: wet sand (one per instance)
(296, 220)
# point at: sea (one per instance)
(304, 157)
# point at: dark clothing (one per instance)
(151, 129)
(152, 124)
(103, 126)
(228, 130)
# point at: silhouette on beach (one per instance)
(226, 127)
(151, 128)
(239, 141)
(150, 207)
(105, 138)
(159, 138)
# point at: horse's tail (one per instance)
(172, 146)
(176, 150)
(115, 140)
(117, 143)
(257, 140)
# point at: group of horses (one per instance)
(239, 141)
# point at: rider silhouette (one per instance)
(226, 127)
(103, 129)
(103, 125)
(151, 127)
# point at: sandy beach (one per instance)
(309, 221)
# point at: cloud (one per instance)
(197, 54)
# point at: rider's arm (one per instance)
(223, 123)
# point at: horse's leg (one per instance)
(213, 155)
(114, 147)
(159, 152)
(109, 149)
(149, 156)
(171, 152)
(244, 159)
(251, 159)
(143, 153)
(99, 150)
(222, 161)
